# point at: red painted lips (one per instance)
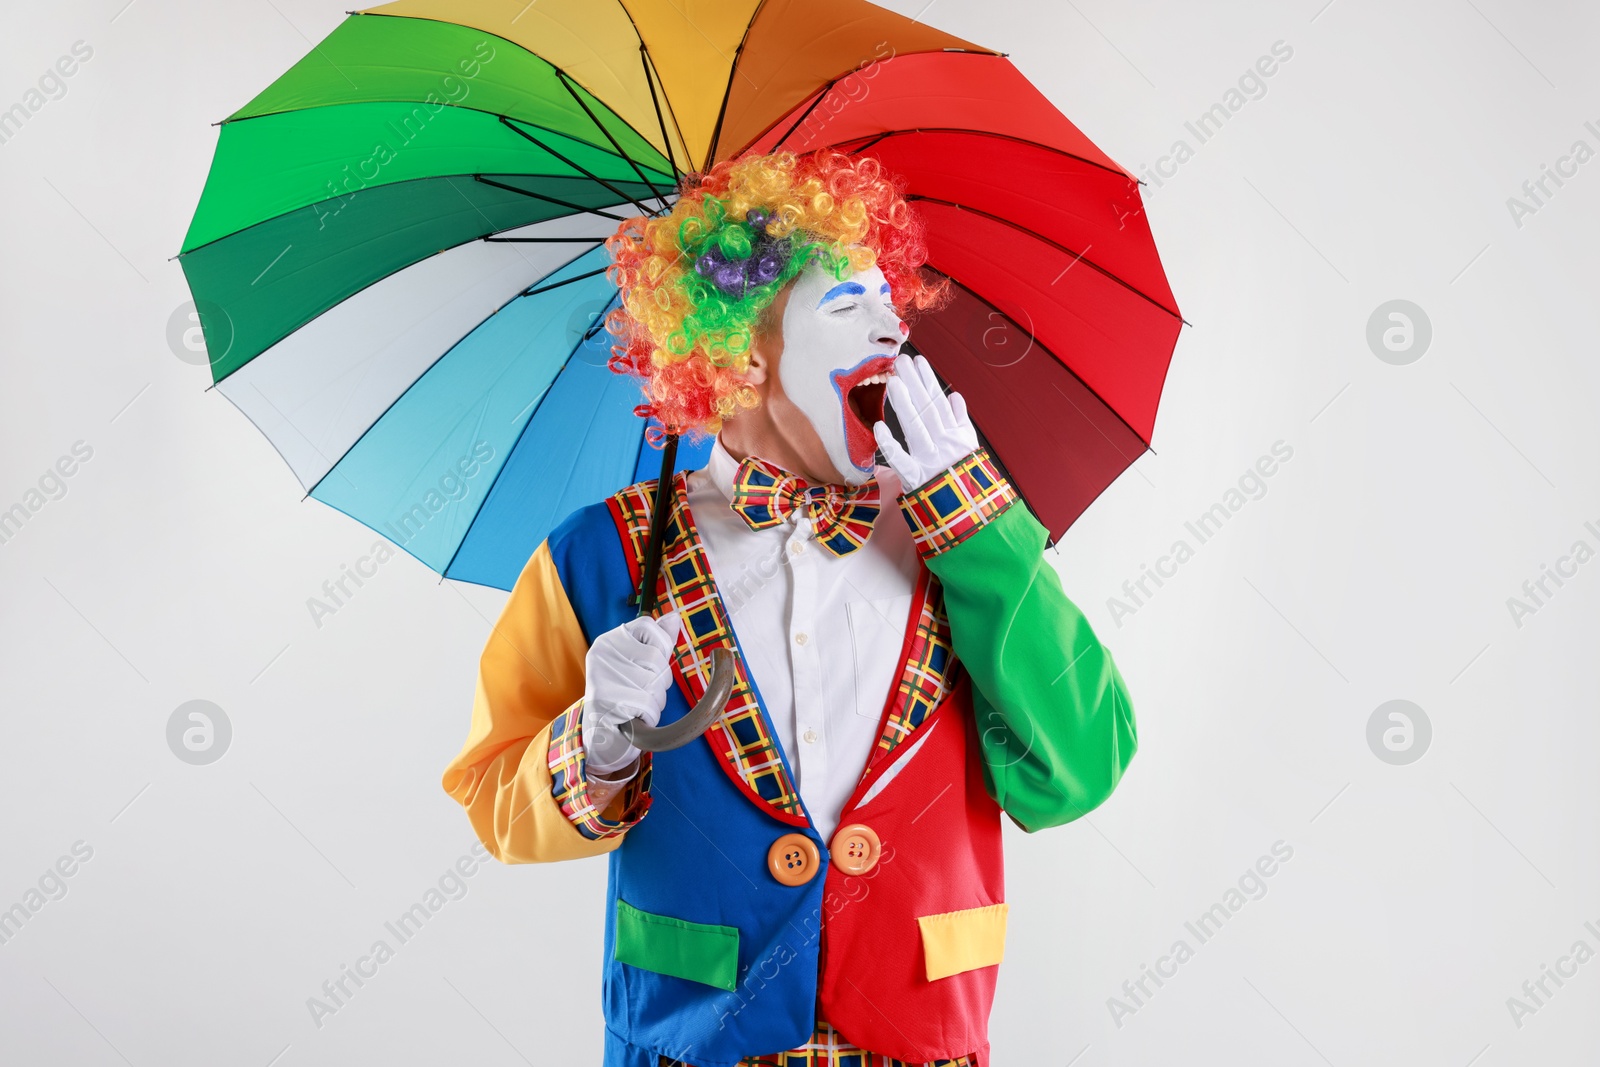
(861, 393)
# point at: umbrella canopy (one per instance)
(397, 263)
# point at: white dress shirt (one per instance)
(821, 634)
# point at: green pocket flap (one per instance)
(694, 951)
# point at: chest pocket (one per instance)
(877, 632)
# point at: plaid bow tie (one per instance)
(765, 494)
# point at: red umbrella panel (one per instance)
(1063, 324)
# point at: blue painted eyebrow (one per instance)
(885, 288)
(853, 288)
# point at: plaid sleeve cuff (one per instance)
(570, 785)
(956, 503)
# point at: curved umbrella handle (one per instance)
(705, 712)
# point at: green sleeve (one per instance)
(1052, 711)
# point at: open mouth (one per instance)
(861, 393)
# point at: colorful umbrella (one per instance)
(397, 262)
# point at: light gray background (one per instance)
(1377, 566)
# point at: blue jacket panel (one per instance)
(698, 856)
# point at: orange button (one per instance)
(794, 859)
(855, 849)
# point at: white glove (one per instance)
(937, 431)
(627, 673)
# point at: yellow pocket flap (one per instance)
(963, 940)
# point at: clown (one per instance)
(817, 880)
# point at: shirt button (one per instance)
(796, 547)
(810, 737)
(801, 639)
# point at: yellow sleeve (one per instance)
(530, 672)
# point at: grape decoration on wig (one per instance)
(696, 282)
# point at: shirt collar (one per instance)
(721, 469)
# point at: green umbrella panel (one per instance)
(393, 140)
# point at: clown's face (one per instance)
(839, 344)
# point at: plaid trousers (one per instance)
(828, 1048)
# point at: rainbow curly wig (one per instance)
(696, 282)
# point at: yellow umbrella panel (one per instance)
(700, 80)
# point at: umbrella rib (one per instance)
(655, 101)
(275, 447)
(869, 143)
(463, 242)
(508, 124)
(769, 127)
(999, 460)
(872, 139)
(727, 91)
(426, 371)
(1005, 472)
(390, 185)
(540, 240)
(561, 76)
(983, 438)
(875, 138)
(676, 124)
(1059, 361)
(599, 324)
(1077, 256)
(548, 199)
(513, 449)
(826, 89)
(535, 290)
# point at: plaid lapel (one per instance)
(741, 739)
(930, 670)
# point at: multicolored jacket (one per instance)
(721, 942)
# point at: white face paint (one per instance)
(839, 344)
